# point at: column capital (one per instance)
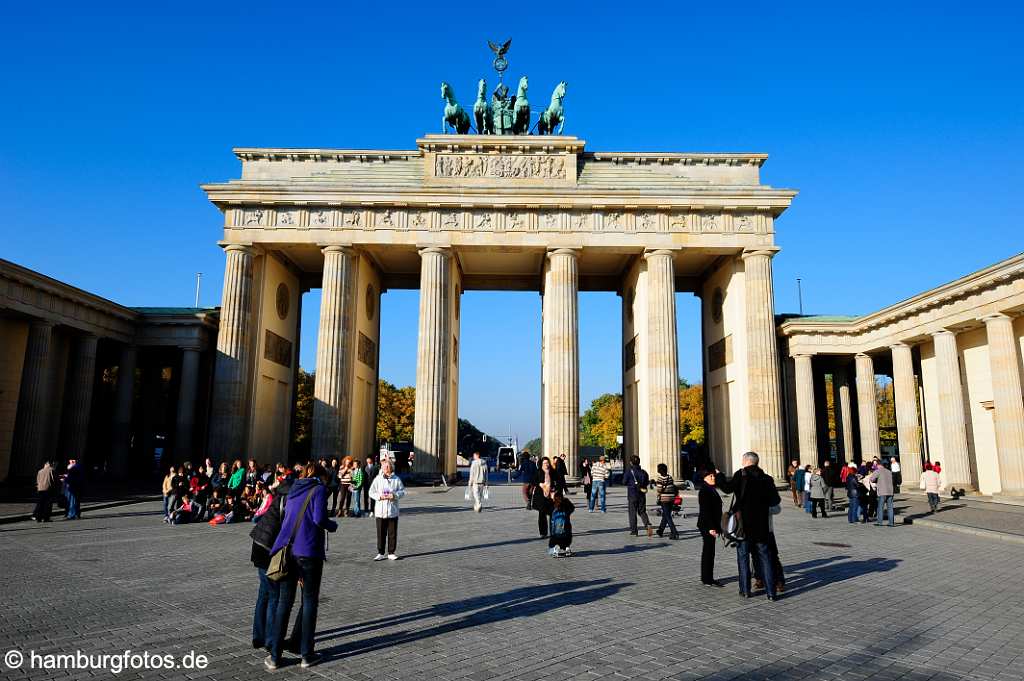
(443, 250)
(337, 248)
(574, 251)
(796, 355)
(898, 344)
(942, 332)
(42, 324)
(247, 249)
(995, 317)
(651, 252)
(765, 251)
(862, 355)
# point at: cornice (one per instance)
(1006, 271)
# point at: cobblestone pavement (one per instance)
(475, 597)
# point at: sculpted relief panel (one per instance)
(528, 167)
(457, 219)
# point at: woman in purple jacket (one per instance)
(307, 564)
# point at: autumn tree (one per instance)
(395, 412)
(691, 412)
(601, 424)
(303, 434)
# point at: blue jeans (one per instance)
(883, 502)
(357, 509)
(854, 510)
(597, 489)
(72, 497)
(167, 506)
(310, 570)
(807, 502)
(266, 609)
(763, 560)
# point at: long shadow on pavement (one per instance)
(507, 542)
(519, 602)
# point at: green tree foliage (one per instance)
(533, 446)
(395, 412)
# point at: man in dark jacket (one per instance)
(74, 480)
(755, 495)
(263, 536)
(369, 473)
(637, 479)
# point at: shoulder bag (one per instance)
(277, 570)
(732, 520)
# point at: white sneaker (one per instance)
(567, 552)
(379, 556)
(553, 552)
(392, 556)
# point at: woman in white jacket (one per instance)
(386, 490)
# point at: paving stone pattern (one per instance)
(476, 597)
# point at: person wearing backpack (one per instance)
(754, 495)
(302, 533)
(666, 489)
(709, 522)
(637, 481)
(560, 534)
(263, 536)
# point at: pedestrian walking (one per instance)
(528, 475)
(544, 484)
(798, 485)
(897, 474)
(637, 481)
(882, 479)
(599, 474)
(478, 471)
(333, 485)
(754, 495)
(931, 483)
(819, 491)
(852, 494)
(263, 535)
(387, 490)
(345, 487)
(794, 478)
(808, 474)
(666, 489)
(302, 529)
(709, 522)
(828, 472)
(358, 481)
(45, 482)
(560, 535)
(370, 472)
(586, 479)
(74, 481)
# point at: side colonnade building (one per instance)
(84, 378)
(954, 355)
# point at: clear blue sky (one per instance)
(900, 123)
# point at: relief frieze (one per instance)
(501, 166)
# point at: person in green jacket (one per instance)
(358, 480)
(237, 480)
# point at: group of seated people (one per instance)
(215, 494)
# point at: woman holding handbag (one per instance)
(302, 538)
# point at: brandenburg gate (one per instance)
(496, 212)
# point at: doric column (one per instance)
(333, 380)
(843, 411)
(907, 424)
(32, 422)
(560, 327)
(123, 403)
(231, 382)
(1009, 405)
(807, 427)
(433, 361)
(867, 407)
(78, 396)
(765, 406)
(187, 390)
(662, 362)
(956, 462)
